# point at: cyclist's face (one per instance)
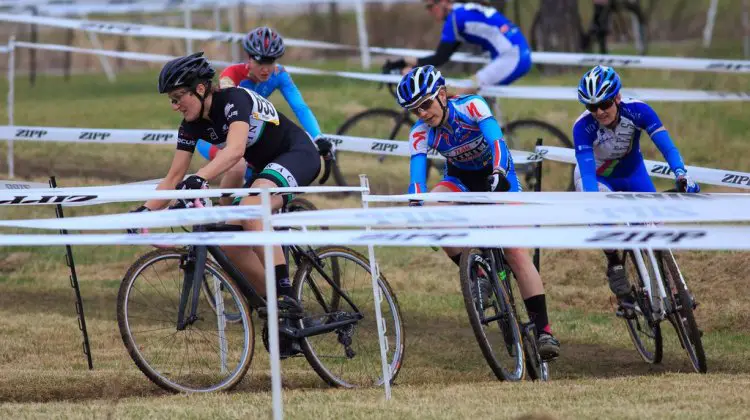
(437, 8)
(430, 110)
(606, 115)
(186, 103)
(261, 70)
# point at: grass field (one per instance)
(43, 371)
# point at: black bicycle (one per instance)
(385, 123)
(185, 317)
(508, 345)
(624, 20)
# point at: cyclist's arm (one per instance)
(418, 163)
(584, 146)
(177, 170)
(649, 121)
(442, 54)
(493, 134)
(294, 98)
(231, 154)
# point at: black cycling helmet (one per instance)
(263, 43)
(188, 71)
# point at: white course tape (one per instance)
(599, 198)
(683, 237)
(720, 177)
(688, 209)
(96, 195)
(147, 219)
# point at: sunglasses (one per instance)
(424, 106)
(603, 105)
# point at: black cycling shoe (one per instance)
(288, 346)
(547, 346)
(288, 308)
(618, 283)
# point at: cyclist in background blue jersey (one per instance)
(262, 75)
(478, 24)
(607, 146)
(464, 130)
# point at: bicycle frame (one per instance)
(661, 303)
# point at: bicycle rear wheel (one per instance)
(211, 353)
(492, 317)
(644, 331)
(348, 357)
(681, 312)
(522, 135)
(387, 174)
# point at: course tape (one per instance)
(99, 195)
(571, 59)
(685, 209)
(720, 177)
(515, 92)
(673, 237)
(97, 135)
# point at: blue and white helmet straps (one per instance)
(420, 83)
(599, 84)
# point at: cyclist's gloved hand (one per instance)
(325, 147)
(138, 210)
(193, 182)
(685, 183)
(394, 67)
(497, 181)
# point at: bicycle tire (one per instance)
(644, 318)
(320, 364)
(681, 314)
(471, 297)
(558, 137)
(135, 348)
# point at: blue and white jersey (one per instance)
(615, 152)
(471, 140)
(484, 26)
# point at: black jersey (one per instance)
(270, 135)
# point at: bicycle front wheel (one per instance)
(492, 317)
(211, 352)
(349, 356)
(681, 312)
(645, 332)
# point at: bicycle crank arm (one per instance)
(322, 329)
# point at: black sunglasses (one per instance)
(424, 106)
(603, 105)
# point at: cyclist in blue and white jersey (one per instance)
(607, 147)
(262, 75)
(464, 130)
(481, 25)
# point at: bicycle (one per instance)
(510, 352)
(625, 20)
(390, 124)
(205, 305)
(672, 301)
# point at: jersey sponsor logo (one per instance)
(473, 111)
(25, 133)
(94, 135)
(719, 65)
(228, 111)
(44, 199)
(263, 109)
(212, 134)
(645, 237)
(468, 152)
(735, 179)
(187, 142)
(283, 172)
(157, 137)
(383, 147)
(417, 137)
(255, 131)
(661, 169)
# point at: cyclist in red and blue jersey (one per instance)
(607, 146)
(481, 25)
(264, 76)
(464, 130)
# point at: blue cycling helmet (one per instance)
(598, 84)
(420, 83)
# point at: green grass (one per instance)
(444, 375)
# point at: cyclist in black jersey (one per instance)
(243, 124)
